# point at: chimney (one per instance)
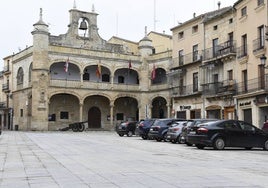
(219, 5)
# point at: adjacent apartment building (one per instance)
(217, 67)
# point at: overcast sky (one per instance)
(123, 18)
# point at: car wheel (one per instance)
(188, 144)
(121, 134)
(219, 143)
(129, 134)
(144, 137)
(248, 148)
(265, 147)
(200, 146)
(165, 137)
(173, 141)
(158, 139)
(181, 140)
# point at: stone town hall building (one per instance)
(78, 76)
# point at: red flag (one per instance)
(153, 73)
(98, 71)
(129, 64)
(66, 65)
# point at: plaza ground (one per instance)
(103, 159)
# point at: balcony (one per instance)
(94, 85)
(227, 48)
(5, 87)
(253, 85)
(182, 91)
(242, 51)
(187, 59)
(226, 87)
(258, 45)
(6, 70)
(3, 105)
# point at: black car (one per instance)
(158, 130)
(192, 124)
(143, 127)
(228, 133)
(126, 128)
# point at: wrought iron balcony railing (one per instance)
(258, 44)
(223, 49)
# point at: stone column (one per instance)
(81, 112)
(111, 113)
(168, 110)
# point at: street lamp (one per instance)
(263, 60)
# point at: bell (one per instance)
(83, 25)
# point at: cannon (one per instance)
(76, 126)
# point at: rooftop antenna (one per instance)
(93, 8)
(219, 4)
(116, 24)
(154, 14)
(74, 6)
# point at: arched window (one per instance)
(20, 76)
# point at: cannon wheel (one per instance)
(75, 127)
(81, 127)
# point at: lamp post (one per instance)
(263, 62)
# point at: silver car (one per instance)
(173, 133)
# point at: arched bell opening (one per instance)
(83, 27)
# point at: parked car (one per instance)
(192, 124)
(143, 127)
(126, 128)
(265, 127)
(174, 132)
(158, 130)
(228, 133)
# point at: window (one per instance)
(246, 127)
(106, 78)
(245, 80)
(121, 79)
(64, 115)
(230, 20)
(119, 116)
(21, 112)
(230, 74)
(195, 29)
(181, 35)
(244, 45)
(86, 75)
(195, 52)
(195, 82)
(181, 57)
(215, 47)
(215, 27)
(261, 36)
(260, 2)
(20, 76)
(244, 11)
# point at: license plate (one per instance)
(192, 132)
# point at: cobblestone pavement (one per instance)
(103, 159)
